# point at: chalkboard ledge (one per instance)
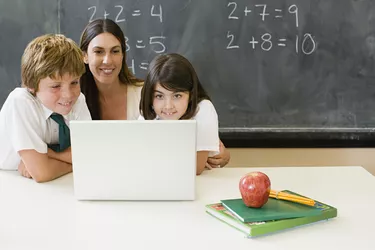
(297, 137)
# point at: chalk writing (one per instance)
(305, 44)
(263, 13)
(119, 15)
(154, 42)
(133, 67)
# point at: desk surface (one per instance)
(47, 216)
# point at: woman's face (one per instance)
(104, 57)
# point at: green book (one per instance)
(253, 229)
(274, 209)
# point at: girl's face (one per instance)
(104, 57)
(169, 105)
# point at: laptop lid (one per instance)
(134, 160)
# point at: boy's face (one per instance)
(60, 94)
(169, 105)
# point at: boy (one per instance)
(34, 132)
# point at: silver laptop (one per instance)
(134, 160)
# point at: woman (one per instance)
(112, 92)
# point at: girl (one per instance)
(172, 91)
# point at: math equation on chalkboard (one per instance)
(156, 41)
(303, 44)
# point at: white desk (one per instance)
(47, 216)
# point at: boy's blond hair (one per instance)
(51, 55)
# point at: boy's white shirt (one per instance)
(25, 123)
(207, 128)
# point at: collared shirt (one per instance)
(25, 123)
(207, 128)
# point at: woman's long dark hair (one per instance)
(88, 85)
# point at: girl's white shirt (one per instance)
(207, 128)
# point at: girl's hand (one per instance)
(219, 160)
(208, 166)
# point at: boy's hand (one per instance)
(65, 156)
(219, 160)
(23, 171)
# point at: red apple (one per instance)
(255, 188)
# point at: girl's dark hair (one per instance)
(174, 73)
(88, 85)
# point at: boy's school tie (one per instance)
(64, 134)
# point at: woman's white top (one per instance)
(133, 100)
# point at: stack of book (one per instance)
(274, 216)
